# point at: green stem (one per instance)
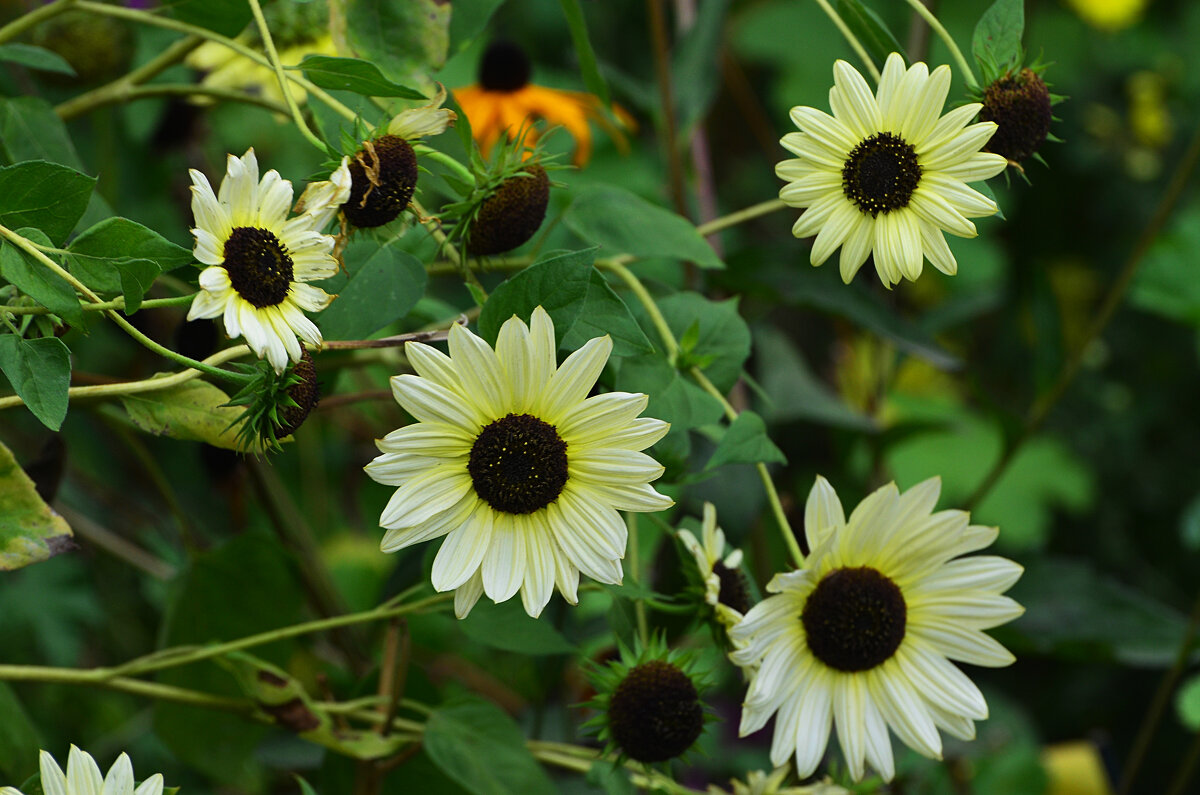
(273, 56)
(963, 64)
(849, 36)
(461, 171)
(119, 90)
(75, 676)
(34, 18)
(617, 265)
(133, 93)
(639, 605)
(104, 306)
(741, 216)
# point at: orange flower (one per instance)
(505, 102)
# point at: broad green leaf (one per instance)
(31, 130)
(35, 58)
(746, 442)
(226, 17)
(722, 337)
(19, 741)
(193, 410)
(40, 373)
(470, 18)
(625, 223)
(1077, 613)
(506, 626)
(1166, 284)
(577, 298)
(37, 281)
(120, 239)
(870, 30)
(381, 290)
(673, 396)
(240, 588)
(45, 196)
(29, 530)
(406, 39)
(997, 41)
(794, 392)
(583, 49)
(353, 74)
(1187, 703)
(480, 747)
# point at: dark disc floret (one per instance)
(854, 619)
(655, 713)
(504, 67)
(512, 214)
(384, 177)
(306, 394)
(518, 464)
(735, 591)
(1021, 107)
(881, 174)
(259, 266)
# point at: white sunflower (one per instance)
(885, 174)
(515, 465)
(725, 587)
(83, 777)
(259, 259)
(863, 635)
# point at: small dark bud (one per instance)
(655, 713)
(384, 176)
(511, 215)
(1020, 106)
(306, 394)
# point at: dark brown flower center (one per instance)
(383, 178)
(1021, 107)
(259, 266)
(504, 67)
(518, 464)
(512, 214)
(854, 619)
(881, 174)
(655, 713)
(735, 592)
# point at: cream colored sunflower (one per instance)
(725, 586)
(515, 465)
(885, 175)
(260, 260)
(83, 777)
(863, 635)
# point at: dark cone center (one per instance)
(854, 619)
(383, 178)
(518, 464)
(735, 592)
(259, 266)
(881, 174)
(655, 713)
(504, 67)
(1021, 107)
(512, 214)
(305, 394)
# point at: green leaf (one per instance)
(384, 288)
(39, 282)
(35, 58)
(997, 40)
(406, 39)
(794, 392)
(305, 787)
(31, 130)
(583, 49)
(625, 223)
(353, 74)
(746, 442)
(45, 196)
(695, 72)
(1166, 284)
(40, 373)
(1189, 524)
(240, 588)
(673, 397)
(480, 747)
(193, 410)
(19, 741)
(29, 530)
(122, 239)
(870, 30)
(226, 17)
(470, 18)
(576, 296)
(722, 336)
(507, 626)
(1187, 703)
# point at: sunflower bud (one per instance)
(304, 394)
(277, 404)
(512, 214)
(1020, 104)
(384, 174)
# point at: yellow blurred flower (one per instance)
(226, 69)
(1075, 768)
(505, 102)
(1109, 15)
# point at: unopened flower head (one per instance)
(726, 589)
(513, 463)
(886, 174)
(759, 783)
(862, 636)
(83, 777)
(259, 260)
